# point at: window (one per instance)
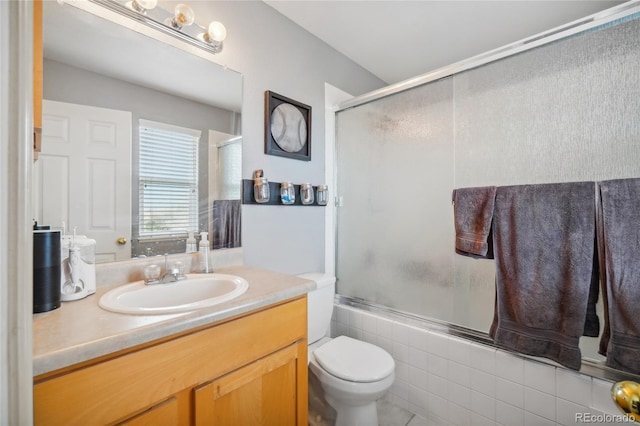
(168, 191)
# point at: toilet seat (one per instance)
(353, 360)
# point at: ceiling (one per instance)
(400, 39)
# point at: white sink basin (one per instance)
(196, 292)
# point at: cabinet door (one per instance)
(262, 393)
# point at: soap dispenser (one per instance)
(191, 244)
(203, 254)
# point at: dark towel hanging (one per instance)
(619, 234)
(543, 239)
(226, 223)
(473, 213)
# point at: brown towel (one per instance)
(619, 232)
(473, 214)
(544, 239)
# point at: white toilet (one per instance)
(353, 374)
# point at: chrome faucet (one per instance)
(171, 275)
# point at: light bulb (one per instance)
(143, 5)
(182, 15)
(147, 4)
(216, 32)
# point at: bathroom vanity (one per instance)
(241, 362)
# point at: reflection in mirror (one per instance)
(141, 139)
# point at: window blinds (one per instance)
(168, 167)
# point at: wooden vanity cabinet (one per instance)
(250, 370)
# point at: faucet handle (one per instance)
(152, 273)
(178, 269)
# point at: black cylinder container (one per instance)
(47, 263)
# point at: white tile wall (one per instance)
(451, 381)
(508, 414)
(540, 377)
(510, 392)
(539, 403)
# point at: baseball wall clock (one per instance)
(287, 127)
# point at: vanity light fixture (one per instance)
(215, 35)
(180, 23)
(141, 6)
(183, 15)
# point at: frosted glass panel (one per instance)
(564, 112)
(395, 173)
(568, 111)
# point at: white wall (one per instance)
(274, 54)
(452, 381)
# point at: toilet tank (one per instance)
(319, 305)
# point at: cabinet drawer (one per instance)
(115, 388)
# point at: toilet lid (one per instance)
(354, 360)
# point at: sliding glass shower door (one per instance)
(395, 162)
(563, 112)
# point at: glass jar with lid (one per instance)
(261, 191)
(287, 193)
(306, 193)
(322, 194)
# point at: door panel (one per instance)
(84, 176)
(261, 393)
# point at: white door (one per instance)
(83, 175)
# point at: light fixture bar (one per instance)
(146, 19)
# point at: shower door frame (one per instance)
(561, 32)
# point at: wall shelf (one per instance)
(274, 199)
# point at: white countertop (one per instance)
(80, 330)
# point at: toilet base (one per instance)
(354, 415)
(321, 413)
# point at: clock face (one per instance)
(288, 128)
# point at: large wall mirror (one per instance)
(141, 138)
